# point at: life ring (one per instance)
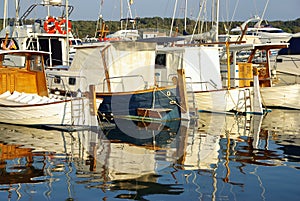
(50, 25)
(59, 24)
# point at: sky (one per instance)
(110, 9)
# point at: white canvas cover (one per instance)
(201, 65)
(126, 66)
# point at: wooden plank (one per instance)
(153, 112)
(182, 90)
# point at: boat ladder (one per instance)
(77, 111)
(244, 101)
(248, 125)
(244, 124)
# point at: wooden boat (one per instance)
(124, 74)
(24, 96)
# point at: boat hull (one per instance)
(232, 100)
(55, 113)
(164, 102)
(281, 96)
(223, 100)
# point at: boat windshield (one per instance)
(10, 60)
(36, 63)
(273, 31)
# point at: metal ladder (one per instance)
(77, 111)
(244, 101)
(244, 124)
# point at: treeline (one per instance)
(88, 28)
(83, 28)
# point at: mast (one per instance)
(17, 12)
(173, 17)
(215, 18)
(185, 15)
(121, 13)
(4, 13)
(67, 28)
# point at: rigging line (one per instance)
(174, 11)
(153, 98)
(234, 11)
(263, 14)
(198, 18)
(255, 6)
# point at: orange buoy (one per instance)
(60, 24)
(50, 25)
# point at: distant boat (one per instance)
(24, 96)
(286, 62)
(127, 31)
(258, 33)
(43, 33)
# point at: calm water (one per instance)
(223, 157)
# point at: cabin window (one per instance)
(160, 61)
(36, 63)
(72, 81)
(17, 61)
(57, 79)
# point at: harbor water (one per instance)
(218, 157)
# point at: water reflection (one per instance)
(222, 157)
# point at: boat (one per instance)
(24, 95)
(286, 61)
(127, 32)
(259, 33)
(240, 85)
(43, 33)
(124, 74)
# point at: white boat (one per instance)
(270, 90)
(259, 33)
(286, 63)
(43, 33)
(24, 96)
(127, 31)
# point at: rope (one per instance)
(174, 101)
(235, 104)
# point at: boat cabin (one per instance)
(241, 71)
(23, 71)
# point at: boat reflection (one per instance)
(131, 156)
(136, 160)
(22, 171)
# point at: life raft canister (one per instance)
(50, 25)
(60, 24)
